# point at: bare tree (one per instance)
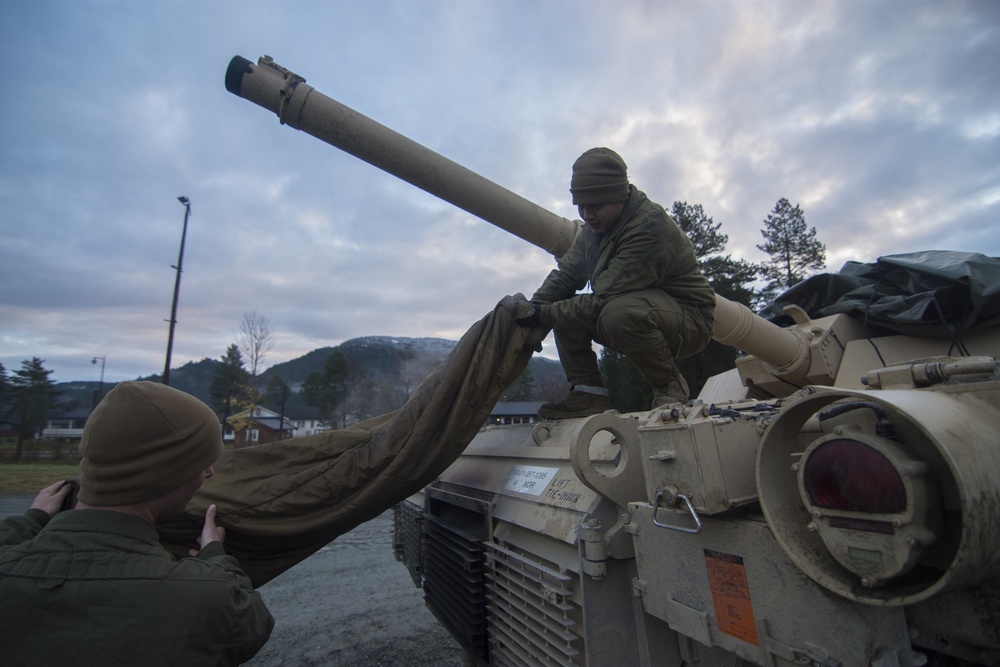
(255, 339)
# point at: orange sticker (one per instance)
(731, 595)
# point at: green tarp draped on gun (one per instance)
(282, 502)
(929, 293)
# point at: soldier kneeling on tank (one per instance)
(648, 301)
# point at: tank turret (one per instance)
(832, 502)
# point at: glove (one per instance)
(533, 320)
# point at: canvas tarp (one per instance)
(929, 293)
(282, 502)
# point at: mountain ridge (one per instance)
(394, 365)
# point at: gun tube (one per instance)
(302, 107)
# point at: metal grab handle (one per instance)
(690, 507)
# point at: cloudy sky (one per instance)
(881, 119)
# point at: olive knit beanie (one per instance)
(144, 440)
(599, 177)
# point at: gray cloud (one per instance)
(880, 119)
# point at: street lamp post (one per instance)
(100, 392)
(177, 289)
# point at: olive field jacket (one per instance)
(95, 587)
(645, 249)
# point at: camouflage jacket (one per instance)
(645, 249)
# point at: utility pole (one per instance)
(100, 393)
(177, 289)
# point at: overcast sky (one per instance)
(881, 119)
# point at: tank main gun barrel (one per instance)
(300, 106)
(737, 325)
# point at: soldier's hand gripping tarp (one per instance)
(282, 502)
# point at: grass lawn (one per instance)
(30, 478)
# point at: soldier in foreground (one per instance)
(648, 299)
(93, 585)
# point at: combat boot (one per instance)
(577, 404)
(675, 391)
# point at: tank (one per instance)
(834, 500)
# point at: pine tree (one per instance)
(277, 390)
(34, 393)
(363, 398)
(793, 248)
(5, 390)
(521, 389)
(327, 390)
(730, 278)
(628, 390)
(228, 389)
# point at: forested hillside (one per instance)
(391, 367)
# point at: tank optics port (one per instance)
(844, 535)
(874, 506)
(849, 475)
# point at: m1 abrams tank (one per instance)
(832, 501)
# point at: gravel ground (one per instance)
(350, 604)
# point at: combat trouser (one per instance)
(649, 327)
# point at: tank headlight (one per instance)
(829, 470)
(871, 502)
(849, 475)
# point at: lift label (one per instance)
(528, 479)
(731, 595)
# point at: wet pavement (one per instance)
(12, 505)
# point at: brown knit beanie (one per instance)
(144, 440)
(599, 177)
